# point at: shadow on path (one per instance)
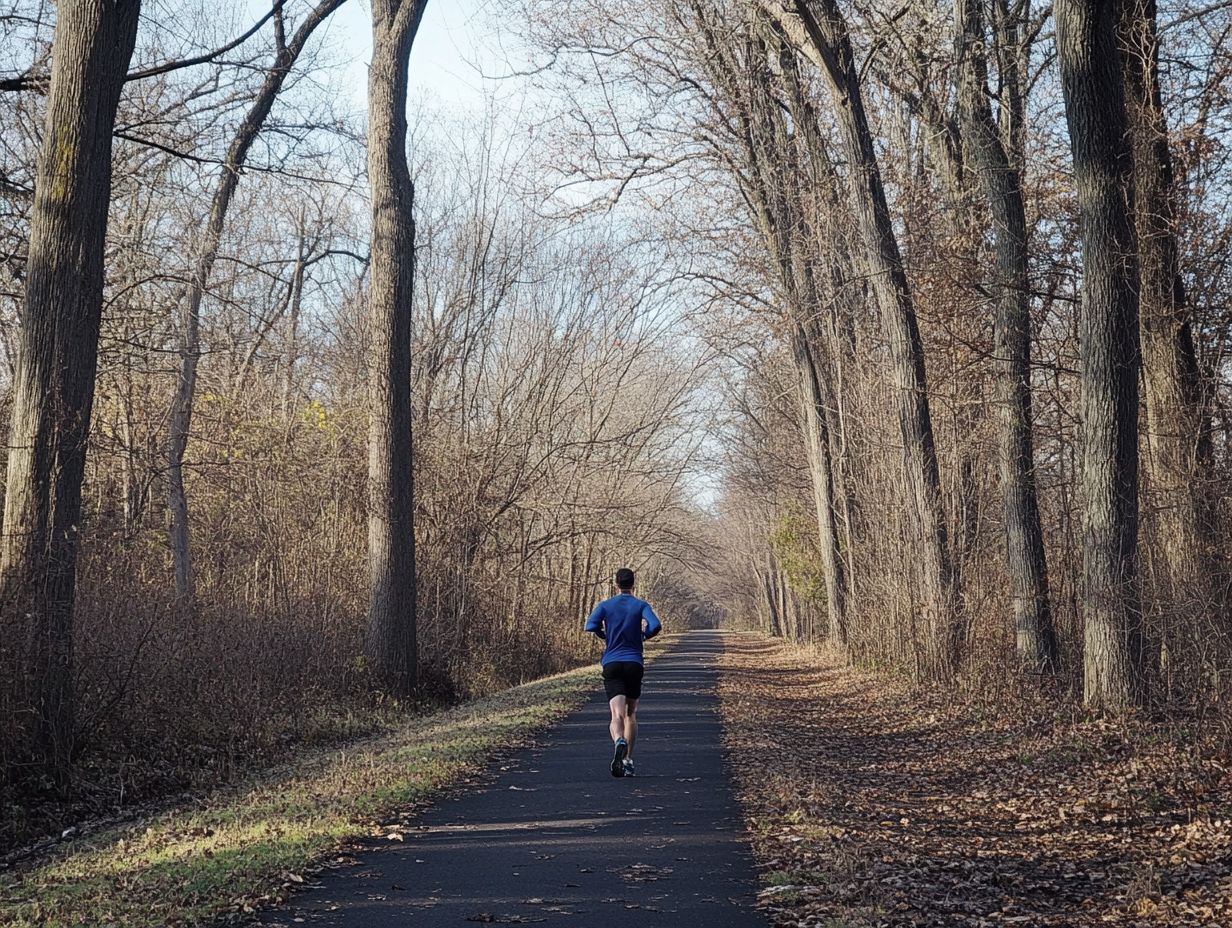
(554, 839)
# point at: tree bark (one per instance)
(817, 446)
(819, 24)
(778, 628)
(54, 382)
(190, 314)
(1176, 439)
(390, 644)
(1108, 332)
(1001, 183)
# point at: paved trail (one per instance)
(556, 840)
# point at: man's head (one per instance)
(624, 579)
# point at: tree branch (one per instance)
(40, 82)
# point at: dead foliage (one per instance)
(872, 803)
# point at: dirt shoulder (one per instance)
(873, 803)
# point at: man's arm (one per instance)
(653, 625)
(595, 623)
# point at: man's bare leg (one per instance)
(620, 750)
(630, 728)
(619, 707)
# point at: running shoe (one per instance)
(618, 757)
(628, 765)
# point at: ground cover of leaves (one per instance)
(872, 803)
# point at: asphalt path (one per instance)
(552, 838)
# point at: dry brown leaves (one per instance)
(871, 803)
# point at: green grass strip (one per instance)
(189, 866)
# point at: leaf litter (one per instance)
(872, 803)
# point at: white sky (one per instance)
(457, 44)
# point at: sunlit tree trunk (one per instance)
(1108, 330)
(777, 627)
(390, 645)
(53, 389)
(1177, 445)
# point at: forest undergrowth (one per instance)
(171, 708)
(874, 803)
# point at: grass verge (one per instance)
(190, 866)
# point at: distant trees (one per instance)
(847, 157)
(685, 324)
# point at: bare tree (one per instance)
(1103, 176)
(817, 28)
(818, 444)
(391, 495)
(285, 57)
(54, 387)
(1178, 457)
(1001, 182)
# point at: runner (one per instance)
(618, 622)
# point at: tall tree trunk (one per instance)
(790, 632)
(390, 644)
(819, 25)
(1002, 185)
(1013, 52)
(778, 627)
(813, 170)
(1103, 176)
(54, 382)
(190, 311)
(1177, 443)
(817, 445)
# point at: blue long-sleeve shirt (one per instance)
(618, 621)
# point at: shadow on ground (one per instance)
(554, 839)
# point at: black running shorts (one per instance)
(623, 678)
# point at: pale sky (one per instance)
(456, 41)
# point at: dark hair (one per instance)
(624, 578)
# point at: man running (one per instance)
(618, 622)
